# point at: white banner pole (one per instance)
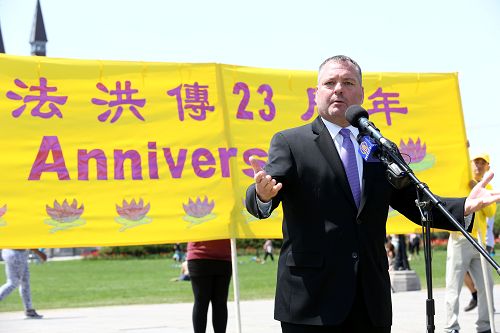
(486, 278)
(236, 284)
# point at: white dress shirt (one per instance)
(334, 131)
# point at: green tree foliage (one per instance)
(136, 251)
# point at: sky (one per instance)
(424, 36)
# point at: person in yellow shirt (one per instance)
(463, 257)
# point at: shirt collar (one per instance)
(334, 129)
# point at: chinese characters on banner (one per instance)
(193, 97)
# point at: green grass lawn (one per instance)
(81, 283)
(438, 268)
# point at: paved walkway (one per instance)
(256, 317)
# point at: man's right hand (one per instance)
(266, 187)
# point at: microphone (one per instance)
(374, 145)
(358, 117)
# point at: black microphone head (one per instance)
(354, 113)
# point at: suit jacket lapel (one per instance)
(331, 155)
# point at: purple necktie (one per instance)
(348, 156)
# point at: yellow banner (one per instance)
(122, 153)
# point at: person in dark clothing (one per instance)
(209, 265)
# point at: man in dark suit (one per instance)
(333, 271)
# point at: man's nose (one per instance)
(338, 88)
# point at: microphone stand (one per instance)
(400, 175)
(426, 217)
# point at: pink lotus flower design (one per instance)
(415, 150)
(199, 211)
(3, 210)
(392, 212)
(132, 214)
(133, 211)
(65, 212)
(64, 216)
(199, 208)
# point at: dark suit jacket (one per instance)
(327, 242)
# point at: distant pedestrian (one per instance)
(391, 253)
(18, 275)
(268, 249)
(178, 253)
(414, 245)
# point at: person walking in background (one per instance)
(178, 253)
(462, 257)
(333, 270)
(209, 265)
(268, 249)
(414, 244)
(18, 275)
(391, 252)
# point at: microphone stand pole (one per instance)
(399, 171)
(426, 217)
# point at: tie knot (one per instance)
(346, 134)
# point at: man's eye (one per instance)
(349, 83)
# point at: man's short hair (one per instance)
(343, 58)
